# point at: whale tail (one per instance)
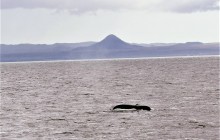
(137, 107)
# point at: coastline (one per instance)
(115, 59)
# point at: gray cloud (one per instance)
(189, 6)
(80, 6)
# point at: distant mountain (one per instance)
(110, 47)
(113, 47)
(38, 48)
(110, 43)
(38, 52)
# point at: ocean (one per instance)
(74, 99)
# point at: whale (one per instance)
(127, 106)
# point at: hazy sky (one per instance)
(140, 21)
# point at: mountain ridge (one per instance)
(109, 47)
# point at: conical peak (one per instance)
(111, 38)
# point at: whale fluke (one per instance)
(137, 107)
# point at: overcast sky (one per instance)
(139, 21)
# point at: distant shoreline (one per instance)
(112, 59)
